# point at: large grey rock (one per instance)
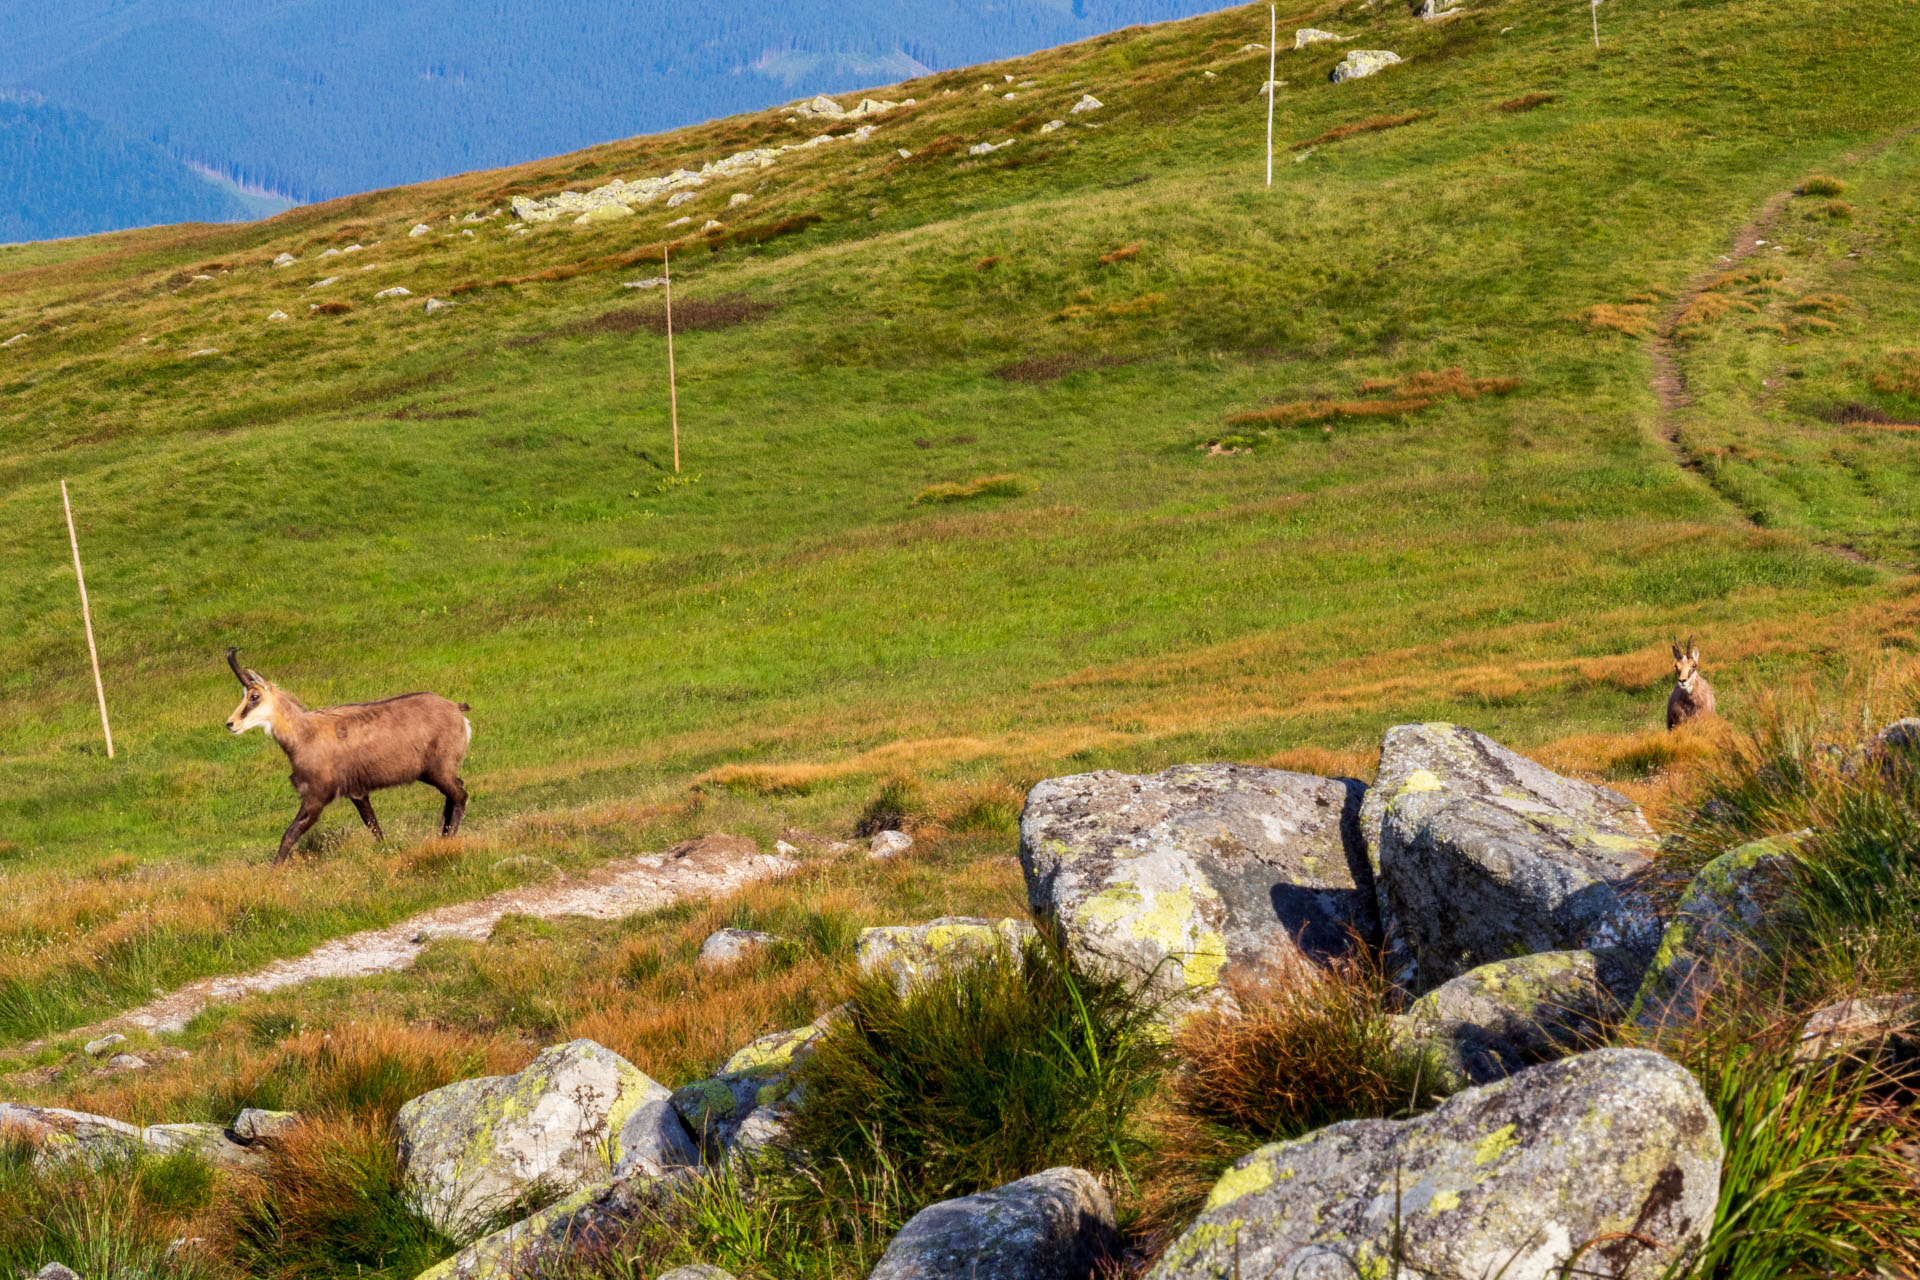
(654, 1141)
(1056, 1225)
(695, 1271)
(911, 953)
(56, 1133)
(1313, 35)
(1715, 931)
(1544, 1005)
(207, 1141)
(1454, 1055)
(565, 1237)
(256, 1125)
(889, 844)
(1198, 874)
(1482, 855)
(1884, 1029)
(104, 1045)
(1364, 62)
(1591, 1157)
(1431, 9)
(746, 1106)
(473, 1149)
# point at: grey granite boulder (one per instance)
(695, 1271)
(56, 1133)
(1884, 1029)
(1454, 1054)
(1056, 1225)
(1594, 1157)
(473, 1149)
(1544, 1005)
(911, 953)
(1715, 930)
(745, 1107)
(1482, 855)
(726, 947)
(255, 1125)
(1364, 62)
(210, 1142)
(1200, 874)
(566, 1237)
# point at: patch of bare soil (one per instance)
(711, 866)
(1050, 368)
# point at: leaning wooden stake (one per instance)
(673, 393)
(1273, 46)
(86, 615)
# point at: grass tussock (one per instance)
(1374, 124)
(1900, 375)
(1525, 102)
(329, 309)
(1145, 304)
(1635, 319)
(1006, 485)
(900, 805)
(1821, 185)
(117, 1218)
(982, 1075)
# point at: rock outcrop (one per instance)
(1543, 1005)
(574, 1230)
(1481, 854)
(1198, 874)
(889, 844)
(1714, 930)
(911, 953)
(746, 1106)
(1056, 1225)
(1313, 35)
(1364, 62)
(474, 1148)
(1596, 1157)
(726, 947)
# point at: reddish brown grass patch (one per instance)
(1525, 102)
(1375, 124)
(1121, 254)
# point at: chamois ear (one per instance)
(1693, 650)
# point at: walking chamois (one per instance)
(1692, 696)
(357, 749)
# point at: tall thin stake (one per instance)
(1273, 49)
(86, 614)
(1595, 6)
(673, 393)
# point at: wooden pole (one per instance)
(673, 392)
(1595, 6)
(86, 615)
(1273, 45)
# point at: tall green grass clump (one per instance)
(115, 1218)
(982, 1075)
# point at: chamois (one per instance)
(1692, 696)
(357, 749)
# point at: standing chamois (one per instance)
(1692, 696)
(357, 749)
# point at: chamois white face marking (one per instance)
(254, 711)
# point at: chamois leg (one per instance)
(456, 806)
(365, 806)
(308, 815)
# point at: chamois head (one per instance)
(1686, 664)
(258, 698)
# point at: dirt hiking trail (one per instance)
(710, 866)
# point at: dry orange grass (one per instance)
(1305, 411)
(1327, 762)
(1902, 376)
(1121, 254)
(1635, 319)
(1375, 124)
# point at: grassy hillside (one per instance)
(481, 502)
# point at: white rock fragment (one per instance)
(1087, 103)
(678, 222)
(681, 197)
(986, 148)
(321, 284)
(1313, 35)
(1364, 62)
(437, 305)
(285, 260)
(1008, 97)
(105, 1043)
(1304, 155)
(1269, 87)
(420, 229)
(276, 315)
(398, 291)
(905, 154)
(330, 253)
(653, 282)
(466, 233)
(1053, 125)
(18, 337)
(208, 278)
(739, 198)
(204, 351)
(711, 225)
(352, 248)
(889, 844)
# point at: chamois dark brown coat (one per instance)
(1692, 696)
(357, 749)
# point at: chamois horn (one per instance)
(233, 660)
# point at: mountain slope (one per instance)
(370, 499)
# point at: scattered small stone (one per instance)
(1008, 97)
(18, 337)
(652, 282)
(54, 1271)
(730, 946)
(126, 1062)
(206, 278)
(330, 253)
(786, 850)
(321, 284)
(679, 198)
(352, 248)
(889, 844)
(739, 198)
(697, 1271)
(285, 260)
(678, 222)
(204, 351)
(1052, 125)
(905, 154)
(466, 233)
(1056, 1225)
(987, 148)
(1305, 155)
(712, 225)
(1269, 87)
(1364, 62)
(276, 315)
(95, 1048)
(1313, 35)
(420, 229)
(1087, 103)
(1431, 9)
(398, 291)
(911, 953)
(256, 1125)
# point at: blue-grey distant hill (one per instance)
(318, 98)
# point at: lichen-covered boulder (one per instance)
(889, 844)
(1056, 1225)
(209, 1142)
(1596, 1157)
(745, 1107)
(1364, 62)
(1714, 931)
(254, 1125)
(910, 953)
(1544, 1005)
(1431, 9)
(474, 1148)
(1313, 35)
(1883, 1029)
(1454, 1055)
(1482, 855)
(1198, 874)
(575, 1231)
(56, 1133)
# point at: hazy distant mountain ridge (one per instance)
(318, 98)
